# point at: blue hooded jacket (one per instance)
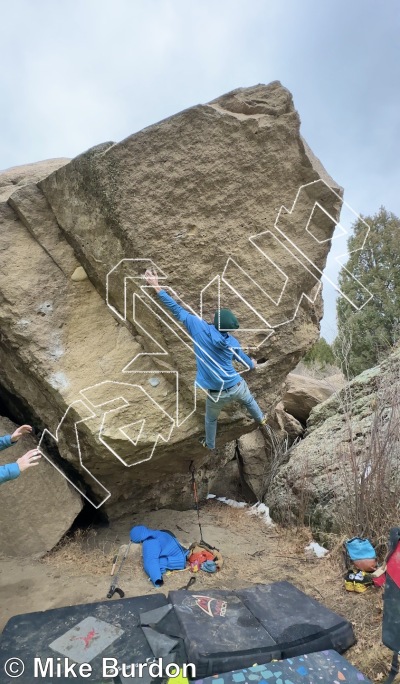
(11, 470)
(161, 551)
(214, 350)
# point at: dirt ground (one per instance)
(78, 571)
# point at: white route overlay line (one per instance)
(338, 259)
(125, 404)
(284, 245)
(56, 439)
(162, 352)
(124, 427)
(344, 232)
(193, 345)
(150, 262)
(303, 294)
(162, 372)
(218, 279)
(338, 225)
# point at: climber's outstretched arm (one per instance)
(176, 309)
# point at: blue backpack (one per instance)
(358, 549)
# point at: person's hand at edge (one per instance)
(22, 430)
(152, 279)
(29, 459)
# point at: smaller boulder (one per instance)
(303, 393)
(288, 423)
(253, 464)
(38, 507)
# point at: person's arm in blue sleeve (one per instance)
(9, 440)
(12, 470)
(5, 442)
(151, 550)
(176, 309)
(9, 472)
(239, 355)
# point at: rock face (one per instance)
(351, 437)
(253, 465)
(94, 360)
(303, 393)
(288, 423)
(38, 507)
(260, 455)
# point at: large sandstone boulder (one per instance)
(350, 456)
(38, 507)
(100, 366)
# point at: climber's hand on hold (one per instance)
(152, 279)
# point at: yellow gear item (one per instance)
(180, 679)
(357, 580)
(355, 586)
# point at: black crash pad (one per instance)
(327, 667)
(223, 630)
(298, 623)
(219, 632)
(83, 634)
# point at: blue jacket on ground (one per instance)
(214, 350)
(161, 551)
(11, 470)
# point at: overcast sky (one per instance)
(79, 72)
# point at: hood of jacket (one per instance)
(219, 339)
(139, 533)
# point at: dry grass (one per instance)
(80, 555)
(227, 516)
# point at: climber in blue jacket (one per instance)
(161, 552)
(10, 471)
(215, 349)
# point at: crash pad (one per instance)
(298, 623)
(223, 630)
(80, 634)
(326, 667)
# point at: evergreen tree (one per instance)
(369, 334)
(320, 353)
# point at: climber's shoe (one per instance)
(357, 581)
(204, 444)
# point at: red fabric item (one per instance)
(393, 566)
(200, 557)
(379, 581)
